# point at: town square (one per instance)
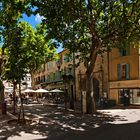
(69, 70)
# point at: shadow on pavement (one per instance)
(56, 124)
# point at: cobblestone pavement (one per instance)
(52, 123)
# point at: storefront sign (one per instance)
(125, 84)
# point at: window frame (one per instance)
(120, 72)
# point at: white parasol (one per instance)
(28, 90)
(42, 90)
(56, 90)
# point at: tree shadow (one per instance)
(56, 124)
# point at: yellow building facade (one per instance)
(124, 75)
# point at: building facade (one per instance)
(63, 74)
(124, 75)
(57, 74)
(25, 83)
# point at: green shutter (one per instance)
(127, 71)
(119, 71)
(128, 51)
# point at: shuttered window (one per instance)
(124, 52)
(123, 71)
(127, 71)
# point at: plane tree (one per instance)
(10, 12)
(91, 27)
(27, 52)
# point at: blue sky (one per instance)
(34, 20)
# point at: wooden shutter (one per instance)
(127, 71)
(119, 71)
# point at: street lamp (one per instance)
(64, 76)
(67, 77)
(70, 78)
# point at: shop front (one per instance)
(133, 95)
(125, 92)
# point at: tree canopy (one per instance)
(10, 12)
(27, 52)
(91, 27)
(86, 25)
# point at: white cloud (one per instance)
(38, 18)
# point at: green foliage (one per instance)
(39, 50)
(10, 12)
(28, 50)
(15, 68)
(91, 26)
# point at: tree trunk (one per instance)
(1, 92)
(90, 105)
(2, 100)
(92, 97)
(21, 106)
(88, 94)
(14, 97)
(71, 98)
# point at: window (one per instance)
(121, 93)
(123, 71)
(124, 52)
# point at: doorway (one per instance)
(124, 96)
